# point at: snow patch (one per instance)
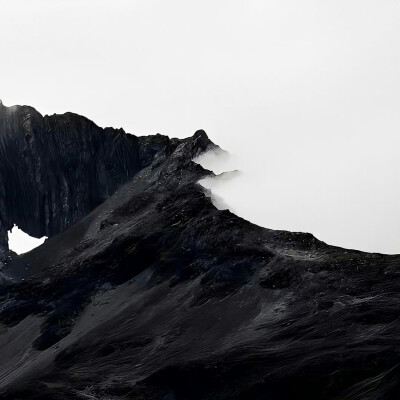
(20, 242)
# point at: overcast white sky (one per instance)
(304, 94)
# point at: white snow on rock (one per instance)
(20, 242)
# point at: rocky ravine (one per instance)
(146, 291)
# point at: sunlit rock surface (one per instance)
(156, 294)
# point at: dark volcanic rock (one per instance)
(56, 169)
(156, 294)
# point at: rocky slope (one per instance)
(156, 294)
(55, 169)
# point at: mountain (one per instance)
(56, 169)
(144, 290)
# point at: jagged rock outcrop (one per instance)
(156, 294)
(56, 169)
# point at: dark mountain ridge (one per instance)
(56, 169)
(147, 291)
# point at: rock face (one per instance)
(56, 169)
(156, 294)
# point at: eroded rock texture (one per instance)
(156, 294)
(56, 169)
